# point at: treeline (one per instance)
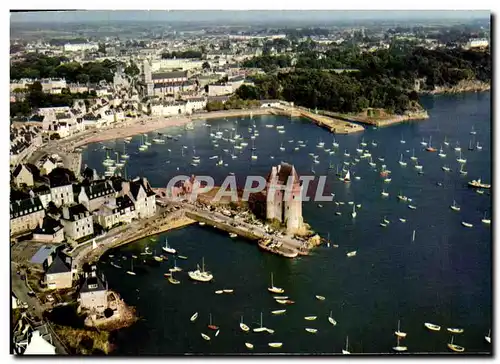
(232, 103)
(35, 98)
(385, 79)
(182, 54)
(269, 63)
(330, 91)
(36, 66)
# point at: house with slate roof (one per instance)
(94, 292)
(119, 209)
(77, 222)
(144, 199)
(61, 188)
(59, 275)
(43, 192)
(23, 174)
(25, 215)
(49, 231)
(95, 194)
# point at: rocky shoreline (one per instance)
(461, 87)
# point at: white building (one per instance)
(77, 222)
(478, 43)
(80, 47)
(142, 196)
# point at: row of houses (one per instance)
(105, 202)
(23, 141)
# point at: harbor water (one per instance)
(443, 277)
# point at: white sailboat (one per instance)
(455, 347)
(274, 289)
(441, 153)
(400, 333)
(261, 328)
(401, 162)
(244, 327)
(206, 337)
(484, 220)
(462, 171)
(460, 159)
(488, 337)
(347, 177)
(249, 345)
(446, 142)
(413, 236)
(131, 271)
(455, 207)
(478, 146)
(384, 194)
(201, 275)
(167, 248)
(331, 320)
(413, 158)
(354, 213)
(346, 350)
(399, 347)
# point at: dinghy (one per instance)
(432, 327)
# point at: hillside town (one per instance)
(64, 91)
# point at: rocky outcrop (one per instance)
(462, 86)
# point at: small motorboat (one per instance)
(194, 317)
(206, 337)
(173, 280)
(312, 331)
(432, 327)
(310, 318)
(182, 257)
(275, 345)
(280, 297)
(228, 290)
(278, 312)
(220, 291)
(455, 330)
(466, 224)
(352, 254)
(249, 346)
(321, 298)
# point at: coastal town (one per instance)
(66, 215)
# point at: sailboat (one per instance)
(471, 146)
(473, 132)
(484, 220)
(201, 275)
(243, 326)
(331, 320)
(335, 144)
(457, 147)
(347, 177)
(274, 289)
(455, 207)
(167, 248)
(446, 168)
(210, 325)
(353, 214)
(462, 172)
(441, 153)
(172, 280)
(206, 337)
(413, 158)
(399, 333)
(455, 347)
(479, 147)
(488, 337)
(413, 236)
(423, 142)
(124, 154)
(131, 271)
(346, 350)
(261, 328)
(399, 347)
(401, 161)
(402, 140)
(460, 159)
(282, 148)
(430, 148)
(384, 194)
